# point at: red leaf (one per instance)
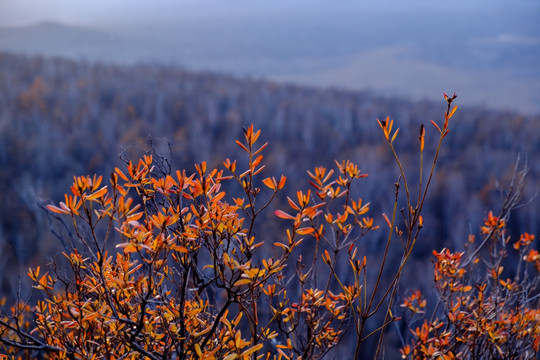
(283, 215)
(437, 126)
(57, 209)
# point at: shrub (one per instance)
(488, 295)
(167, 265)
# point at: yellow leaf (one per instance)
(252, 350)
(395, 134)
(242, 282)
(201, 333)
(452, 112)
(198, 350)
(33, 274)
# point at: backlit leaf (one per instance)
(97, 194)
(283, 215)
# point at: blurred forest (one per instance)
(60, 118)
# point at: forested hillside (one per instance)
(60, 118)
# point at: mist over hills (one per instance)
(488, 58)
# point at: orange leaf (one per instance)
(292, 204)
(121, 174)
(229, 165)
(421, 137)
(257, 161)
(219, 196)
(134, 217)
(43, 280)
(260, 149)
(259, 170)
(97, 194)
(256, 135)
(244, 173)
(33, 273)
(282, 182)
(57, 210)
(536, 343)
(326, 257)
(305, 230)
(270, 182)
(180, 248)
(242, 145)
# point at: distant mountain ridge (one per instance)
(51, 38)
(496, 67)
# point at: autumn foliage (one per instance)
(488, 297)
(162, 264)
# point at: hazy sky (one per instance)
(338, 43)
(88, 12)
